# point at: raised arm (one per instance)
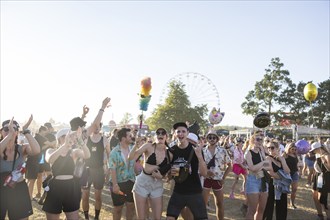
(137, 149)
(33, 148)
(98, 118)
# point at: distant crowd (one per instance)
(63, 165)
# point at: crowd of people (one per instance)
(66, 163)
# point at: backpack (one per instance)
(184, 168)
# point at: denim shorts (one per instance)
(253, 185)
(295, 177)
(309, 163)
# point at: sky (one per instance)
(57, 56)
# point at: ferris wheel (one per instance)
(199, 88)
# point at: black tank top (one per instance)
(275, 167)
(255, 157)
(97, 153)
(63, 165)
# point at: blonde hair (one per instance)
(287, 149)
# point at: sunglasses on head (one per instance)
(211, 137)
(6, 129)
(161, 132)
(271, 148)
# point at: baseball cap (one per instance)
(62, 132)
(179, 124)
(48, 125)
(315, 146)
(193, 137)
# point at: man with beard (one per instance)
(122, 175)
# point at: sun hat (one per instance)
(77, 122)
(212, 133)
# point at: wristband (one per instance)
(26, 131)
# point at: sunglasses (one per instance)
(294, 149)
(271, 148)
(212, 138)
(6, 129)
(258, 139)
(161, 132)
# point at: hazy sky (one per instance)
(57, 56)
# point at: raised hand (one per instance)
(27, 123)
(106, 103)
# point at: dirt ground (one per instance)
(304, 203)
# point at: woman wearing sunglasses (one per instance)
(15, 198)
(291, 158)
(256, 186)
(280, 174)
(149, 183)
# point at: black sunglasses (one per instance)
(272, 148)
(6, 129)
(161, 132)
(211, 137)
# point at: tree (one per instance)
(127, 118)
(293, 105)
(267, 92)
(321, 109)
(176, 108)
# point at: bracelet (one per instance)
(102, 110)
(26, 131)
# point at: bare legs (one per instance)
(256, 205)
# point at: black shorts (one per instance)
(126, 188)
(93, 176)
(15, 201)
(32, 168)
(62, 195)
(44, 167)
(194, 202)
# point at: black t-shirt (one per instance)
(292, 164)
(192, 184)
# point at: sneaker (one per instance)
(232, 196)
(294, 207)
